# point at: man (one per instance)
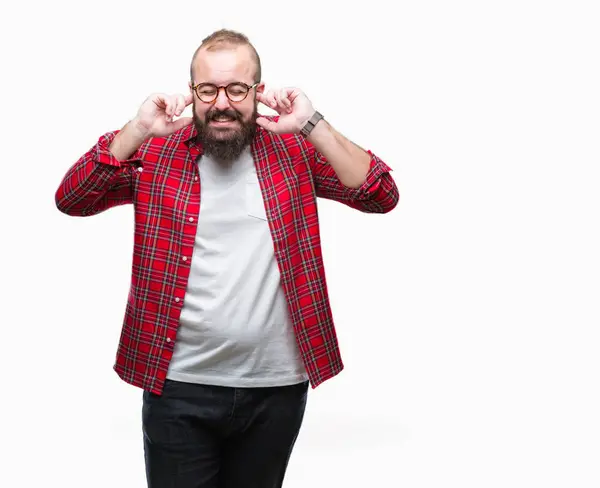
(228, 318)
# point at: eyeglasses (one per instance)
(236, 92)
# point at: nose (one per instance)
(222, 102)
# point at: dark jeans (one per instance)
(199, 436)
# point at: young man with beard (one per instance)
(228, 319)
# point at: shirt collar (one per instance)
(189, 134)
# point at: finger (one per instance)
(265, 100)
(285, 100)
(188, 99)
(292, 94)
(181, 123)
(180, 105)
(262, 98)
(279, 100)
(267, 124)
(160, 100)
(171, 106)
(166, 105)
(284, 103)
(271, 99)
(176, 103)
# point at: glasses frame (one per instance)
(225, 87)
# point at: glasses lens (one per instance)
(206, 93)
(237, 92)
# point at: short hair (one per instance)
(224, 39)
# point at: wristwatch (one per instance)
(310, 125)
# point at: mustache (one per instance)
(214, 114)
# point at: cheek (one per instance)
(201, 110)
(247, 109)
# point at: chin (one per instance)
(223, 133)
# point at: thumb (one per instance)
(181, 123)
(267, 124)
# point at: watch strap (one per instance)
(310, 125)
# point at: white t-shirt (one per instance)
(235, 328)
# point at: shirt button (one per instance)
(191, 219)
(195, 178)
(177, 299)
(184, 258)
(140, 169)
(168, 339)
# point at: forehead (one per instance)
(224, 65)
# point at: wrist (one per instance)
(128, 140)
(321, 134)
(307, 127)
(137, 130)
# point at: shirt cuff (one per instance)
(372, 181)
(104, 156)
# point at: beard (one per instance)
(225, 144)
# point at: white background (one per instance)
(468, 317)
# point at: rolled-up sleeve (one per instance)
(378, 194)
(97, 181)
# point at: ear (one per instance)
(261, 87)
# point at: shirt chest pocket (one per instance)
(255, 205)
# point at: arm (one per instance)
(100, 180)
(342, 171)
(348, 174)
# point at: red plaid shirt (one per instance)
(162, 182)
